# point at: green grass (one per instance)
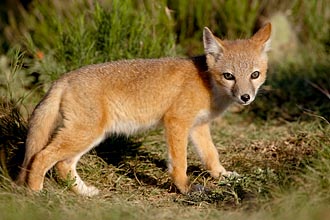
(283, 168)
(117, 31)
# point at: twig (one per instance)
(310, 113)
(320, 88)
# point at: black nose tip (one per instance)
(245, 97)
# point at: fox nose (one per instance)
(245, 98)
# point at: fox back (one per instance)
(86, 105)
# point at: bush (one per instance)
(90, 33)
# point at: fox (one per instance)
(184, 95)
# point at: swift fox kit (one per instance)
(86, 105)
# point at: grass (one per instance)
(279, 145)
(287, 165)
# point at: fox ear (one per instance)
(262, 37)
(212, 46)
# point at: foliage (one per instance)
(226, 18)
(314, 20)
(100, 34)
(296, 92)
(13, 131)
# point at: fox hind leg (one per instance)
(65, 149)
(67, 169)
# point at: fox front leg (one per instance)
(201, 138)
(177, 140)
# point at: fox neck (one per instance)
(219, 99)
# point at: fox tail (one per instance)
(41, 126)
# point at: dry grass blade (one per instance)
(321, 88)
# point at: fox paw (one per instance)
(199, 189)
(230, 174)
(86, 191)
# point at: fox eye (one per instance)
(229, 76)
(255, 74)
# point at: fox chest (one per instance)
(206, 115)
(202, 117)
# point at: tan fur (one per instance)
(184, 95)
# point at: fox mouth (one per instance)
(244, 101)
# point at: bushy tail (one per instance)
(41, 126)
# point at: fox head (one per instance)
(238, 68)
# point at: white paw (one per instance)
(230, 174)
(91, 191)
(86, 190)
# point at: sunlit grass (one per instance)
(278, 175)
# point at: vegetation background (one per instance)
(280, 144)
